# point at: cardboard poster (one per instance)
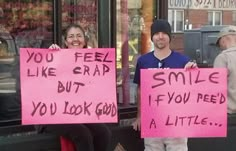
(184, 103)
(68, 86)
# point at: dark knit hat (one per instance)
(160, 25)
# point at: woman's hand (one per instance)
(55, 47)
(137, 124)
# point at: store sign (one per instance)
(203, 4)
(68, 86)
(180, 103)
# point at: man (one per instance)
(227, 59)
(161, 57)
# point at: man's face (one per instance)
(161, 40)
(226, 41)
(222, 43)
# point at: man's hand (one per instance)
(137, 124)
(190, 65)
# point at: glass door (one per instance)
(134, 18)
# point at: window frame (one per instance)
(173, 12)
(234, 17)
(213, 17)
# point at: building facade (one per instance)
(194, 14)
(122, 24)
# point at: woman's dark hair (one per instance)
(75, 26)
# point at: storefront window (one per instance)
(23, 23)
(29, 23)
(83, 13)
(134, 18)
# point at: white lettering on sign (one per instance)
(203, 4)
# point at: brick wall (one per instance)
(177, 42)
(227, 18)
(197, 18)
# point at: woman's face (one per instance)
(75, 38)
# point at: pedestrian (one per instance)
(227, 59)
(161, 57)
(85, 137)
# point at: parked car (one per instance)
(9, 79)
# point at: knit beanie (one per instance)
(161, 25)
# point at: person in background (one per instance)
(86, 137)
(226, 59)
(161, 57)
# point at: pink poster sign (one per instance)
(180, 103)
(68, 86)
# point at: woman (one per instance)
(86, 137)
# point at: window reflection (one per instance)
(134, 18)
(84, 13)
(28, 22)
(23, 23)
